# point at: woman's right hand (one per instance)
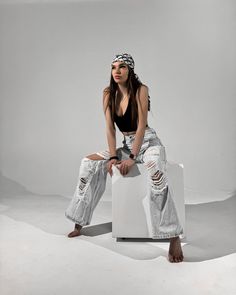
(109, 165)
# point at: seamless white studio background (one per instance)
(55, 61)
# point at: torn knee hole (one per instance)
(159, 180)
(150, 164)
(157, 175)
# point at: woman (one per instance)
(126, 103)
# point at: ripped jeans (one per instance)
(91, 185)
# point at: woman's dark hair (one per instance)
(133, 85)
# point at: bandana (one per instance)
(126, 58)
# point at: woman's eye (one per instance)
(120, 67)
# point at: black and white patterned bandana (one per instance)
(126, 58)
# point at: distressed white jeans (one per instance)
(92, 178)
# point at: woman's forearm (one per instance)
(138, 141)
(111, 140)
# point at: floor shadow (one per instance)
(97, 230)
(210, 230)
(210, 227)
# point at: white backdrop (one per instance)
(55, 61)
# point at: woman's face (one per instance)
(119, 71)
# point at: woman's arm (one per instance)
(142, 100)
(110, 131)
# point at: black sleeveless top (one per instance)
(124, 122)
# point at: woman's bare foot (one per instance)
(75, 232)
(175, 251)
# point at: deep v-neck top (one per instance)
(123, 122)
(125, 110)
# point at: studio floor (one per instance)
(37, 257)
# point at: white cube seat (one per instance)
(128, 193)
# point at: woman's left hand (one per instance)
(125, 166)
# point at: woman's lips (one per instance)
(117, 77)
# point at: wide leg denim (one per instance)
(162, 217)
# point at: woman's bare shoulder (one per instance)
(143, 87)
(143, 90)
(106, 90)
(106, 94)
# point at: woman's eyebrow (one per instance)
(122, 64)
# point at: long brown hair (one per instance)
(133, 85)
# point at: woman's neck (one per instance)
(122, 90)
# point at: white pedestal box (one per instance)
(129, 200)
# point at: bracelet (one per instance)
(114, 157)
(132, 156)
